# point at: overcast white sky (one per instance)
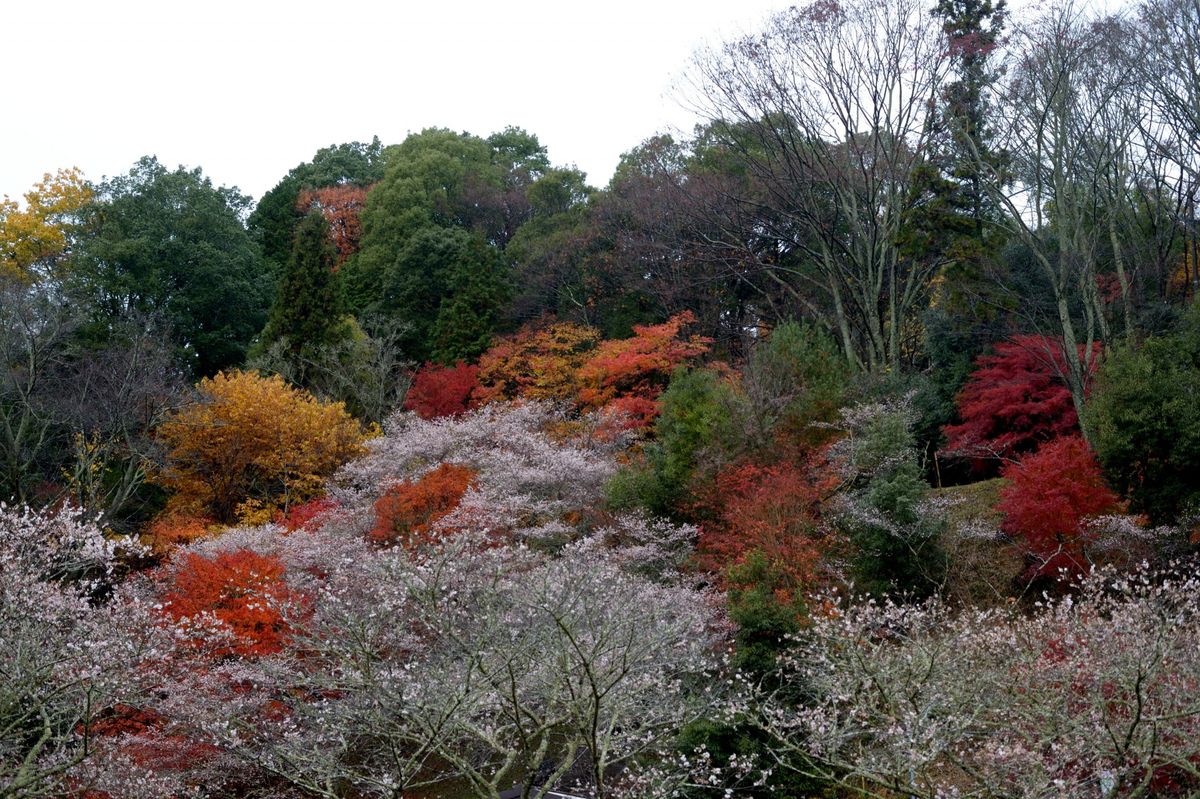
(248, 89)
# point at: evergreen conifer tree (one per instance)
(309, 308)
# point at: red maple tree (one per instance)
(1050, 493)
(1015, 400)
(438, 391)
(774, 510)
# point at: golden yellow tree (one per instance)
(38, 235)
(251, 445)
(537, 364)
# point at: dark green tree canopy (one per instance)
(308, 310)
(170, 244)
(1145, 422)
(434, 233)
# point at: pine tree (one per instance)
(308, 310)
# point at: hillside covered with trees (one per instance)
(849, 446)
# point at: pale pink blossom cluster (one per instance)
(528, 479)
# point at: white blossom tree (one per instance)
(1093, 694)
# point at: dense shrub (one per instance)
(408, 512)
(251, 444)
(438, 391)
(694, 421)
(244, 590)
(1144, 421)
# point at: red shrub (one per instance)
(438, 391)
(772, 509)
(407, 513)
(1015, 400)
(306, 515)
(1049, 494)
(245, 590)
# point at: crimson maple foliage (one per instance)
(243, 589)
(1050, 493)
(1015, 400)
(307, 514)
(342, 208)
(636, 370)
(774, 510)
(408, 512)
(438, 391)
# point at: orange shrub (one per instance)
(243, 589)
(639, 367)
(407, 512)
(170, 530)
(537, 364)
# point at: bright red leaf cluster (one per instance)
(438, 391)
(1015, 400)
(1049, 494)
(774, 510)
(307, 514)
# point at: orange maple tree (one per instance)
(243, 589)
(537, 364)
(407, 513)
(342, 207)
(629, 374)
(173, 529)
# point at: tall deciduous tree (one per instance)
(830, 110)
(34, 238)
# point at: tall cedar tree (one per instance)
(308, 307)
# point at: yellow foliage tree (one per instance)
(38, 235)
(537, 364)
(252, 445)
